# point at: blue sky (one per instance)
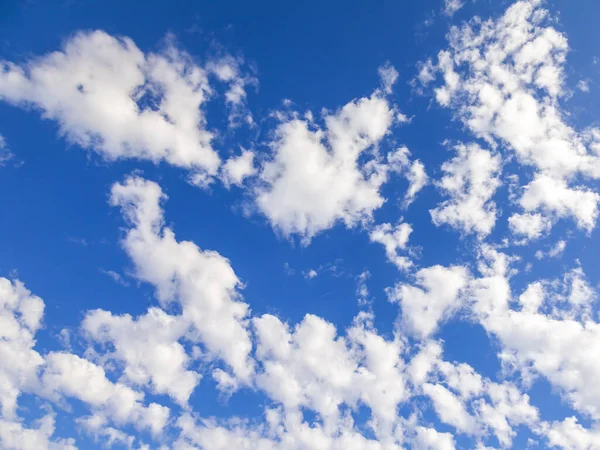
(284, 226)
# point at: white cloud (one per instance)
(149, 347)
(68, 375)
(316, 178)
(237, 168)
(414, 172)
(583, 85)
(529, 225)
(202, 282)
(20, 317)
(14, 436)
(388, 75)
(450, 408)
(437, 294)
(310, 366)
(552, 335)
(503, 79)
(107, 95)
(228, 70)
(570, 435)
(471, 179)
(5, 154)
(553, 252)
(310, 274)
(393, 239)
(556, 199)
(431, 439)
(451, 6)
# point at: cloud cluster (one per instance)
(503, 79)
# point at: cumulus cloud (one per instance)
(393, 239)
(317, 177)
(529, 225)
(20, 317)
(14, 436)
(549, 336)
(109, 96)
(149, 347)
(68, 375)
(237, 168)
(414, 171)
(503, 79)
(471, 179)
(437, 294)
(202, 282)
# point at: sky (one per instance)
(299, 226)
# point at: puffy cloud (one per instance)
(310, 274)
(68, 375)
(20, 317)
(450, 408)
(431, 439)
(529, 225)
(201, 281)
(317, 176)
(228, 70)
(313, 367)
(14, 436)
(437, 294)
(414, 171)
(553, 252)
(393, 239)
(237, 168)
(558, 200)
(281, 431)
(107, 95)
(552, 335)
(149, 348)
(472, 404)
(569, 434)
(503, 79)
(471, 179)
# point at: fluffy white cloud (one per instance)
(393, 239)
(20, 317)
(471, 179)
(317, 176)
(237, 168)
(529, 225)
(107, 95)
(414, 171)
(313, 367)
(569, 434)
(149, 348)
(14, 436)
(450, 408)
(68, 375)
(503, 78)
(552, 334)
(281, 431)
(201, 281)
(437, 294)
(558, 200)
(431, 439)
